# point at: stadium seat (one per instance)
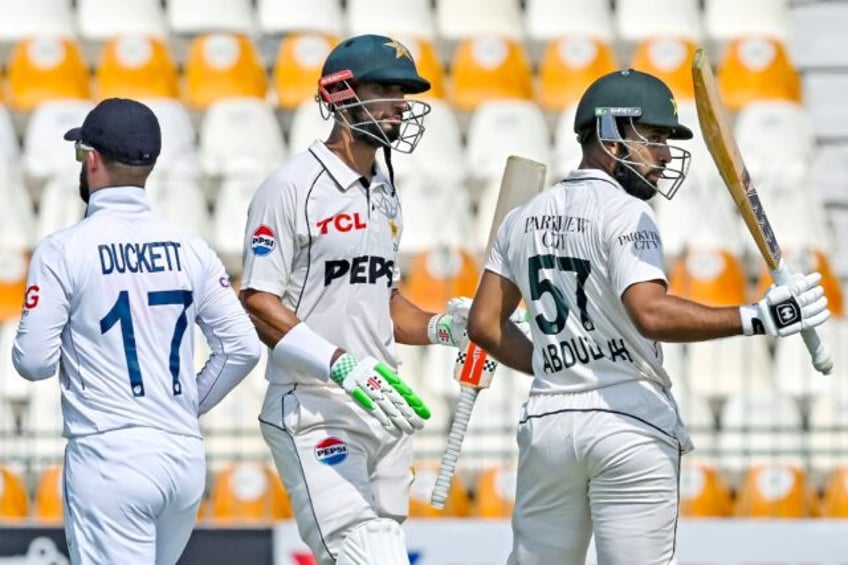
(828, 420)
(709, 275)
(462, 19)
(824, 105)
(45, 151)
(437, 275)
(240, 136)
(458, 504)
(101, 20)
(722, 368)
(696, 413)
(230, 215)
(488, 68)
(670, 59)
(413, 18)
(637, 20)
(774, 491)
(60, 207)
(549, 20)
(818, 38)
(17, 216)
(762, 427)
(248, 492)
(499, 128)
(14, 497)
(280, 17)
(829, 174)
(220, 66)
(568, 66)
(428, 63)
(835, 497)
(494, 493)
(755, 69)
(10, 152)
(134, 66)
(566, 154)
(703, 492)
(437, 212)
(13, 274)
(35, 18)
(726, 20)
(182, 201)
(178, 157)
(44, 69)
(48, 505)
(307, 125)
(298, 67)
(440, 153)
(209, 16)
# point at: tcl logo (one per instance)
(342, 223)
(31, 297)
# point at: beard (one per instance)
(370, 131)
(632, 183)
(84, 190)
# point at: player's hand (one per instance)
(450, 328)
(788, 308)
(380, 391)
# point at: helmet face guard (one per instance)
(334, 101)
(673, 173)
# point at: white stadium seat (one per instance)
(202, 16)
(104, 19)
(285, 16)
(413, 18)
(637, 20)
(179, 152)
(182, 201)
(230, 215)
(61, 205)
(34, 18)
(440, 151)
(462, 19)
(723, 368)
(46, 153)
(551, 19)
(825, 104)
(817, 37)
(308, 125)
(731, 19)
(436, 211)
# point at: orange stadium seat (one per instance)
(775, 491)
(135, 66)
(835, 499)
(14, 499)
(13, 273)
(568, 66)
(222, 65)
(670, 59)
(48, 495)
(711, 276)
(437, 275)
(429, 65)
(248, 492)
(495, 493)
(486, 68)
(755, 69)
(458, 504)
(42, 69)
(703, 492)
(298, 67)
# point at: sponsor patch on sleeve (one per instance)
(263, 241)
(331, 451)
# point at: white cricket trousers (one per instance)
(339, 466)
(131, 496)
(585, 469)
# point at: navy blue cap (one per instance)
(375, 58)
(124, 130)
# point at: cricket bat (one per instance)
(732, 168)
(522, 179)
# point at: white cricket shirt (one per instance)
(573, 250)
(326, 244)
(112, 301)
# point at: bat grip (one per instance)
(467, 398)
(822, 360)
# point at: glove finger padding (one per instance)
(787, 309)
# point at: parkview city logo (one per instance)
(331, 451)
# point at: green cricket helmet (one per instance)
(372, 59)
(641, 99)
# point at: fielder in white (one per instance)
(600, 438)
(320, 282)
(112, 302)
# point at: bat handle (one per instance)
(467, 398)
(822, 360)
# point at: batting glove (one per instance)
(380, 391)
(450, 328)
(788, 308)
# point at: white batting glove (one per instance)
(380, 391)
(450, 328)
(788, 308)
